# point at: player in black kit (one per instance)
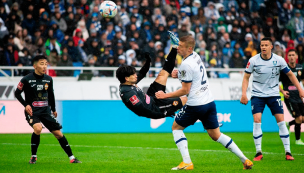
(146, 105)
(292, 99)
(39, 102)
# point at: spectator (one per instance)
(211, 12)
(278, 50)
(60, 21)
(300, 52)
(92, 62)
(56, 6)
(29, 23)
(236, 60)
(121, 60)
(3, 29)
(10, 55)
(65, 60)
(110, 62)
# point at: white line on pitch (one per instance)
(148, 148)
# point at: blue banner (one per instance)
(115, 117)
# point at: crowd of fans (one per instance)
(73, 33)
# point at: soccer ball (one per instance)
(108, 9)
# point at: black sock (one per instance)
(297, 131)
(292, 122)
(65, 146)
(170, 63)
(35, 140)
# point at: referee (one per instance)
(38, 103)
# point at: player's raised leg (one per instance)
(35, 141)
(65, 146)
(170, 61)
(228, 143)
(182, 144)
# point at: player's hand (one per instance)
(301, 94)
(286, 94)
(244, 99)
(160, 95)
(174, 73)
(29, 110)
(55, 114)
(147, 56)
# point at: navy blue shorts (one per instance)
(207, 114)
(274, 103)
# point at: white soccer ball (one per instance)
(108, 9)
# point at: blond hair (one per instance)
(188, 40)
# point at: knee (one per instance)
(37, 129)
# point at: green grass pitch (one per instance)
(144, 152)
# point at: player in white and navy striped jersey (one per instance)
(200, 104)
(266, 67)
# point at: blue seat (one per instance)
(77, 72)
(223, 75)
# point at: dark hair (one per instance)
(292, 50)
(267, 39)
(124, 71)
(37, 58)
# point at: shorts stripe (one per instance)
(181, 139)
(284, 136)
(228, 143)
(258, 136)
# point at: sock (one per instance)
(65, 146)
(293, 122)
(257, 136)
(297, 131)
(170, 62)
(35, 141)
(72, 157)
(228, 143)
(284, 135)
(182, 144)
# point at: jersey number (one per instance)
(279, 102)
(202, 70)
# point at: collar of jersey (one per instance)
(266, 59)
(188, 56)
(38, 76)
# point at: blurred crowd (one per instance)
(73, 33)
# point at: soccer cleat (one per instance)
(184, 166)
(248, 164)
(75, 161)
(289, 156)
(288, 127)
(258, 156)
(173, 38)
(33, 160)
(299, 142)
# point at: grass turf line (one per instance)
(143, 152)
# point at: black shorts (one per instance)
(168, 106)
(295, 109)
(48, 120)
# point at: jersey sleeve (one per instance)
(249, 66)
(302, 74)
(284, 67)
(19, 90)
(185, 73)
(51, 96)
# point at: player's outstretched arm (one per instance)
(144, 70)
(244, 99)
(296, 83)
(285, 93)
(184, 90)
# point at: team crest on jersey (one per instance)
(46, 86)
(39, 87)
(275, 62)
(175, 103)
(134, 100)
(299, 73)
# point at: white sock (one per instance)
(34, 155)
(284, 135)
(228, 143)
(72, 157)
(257, 136)
(182, 144)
